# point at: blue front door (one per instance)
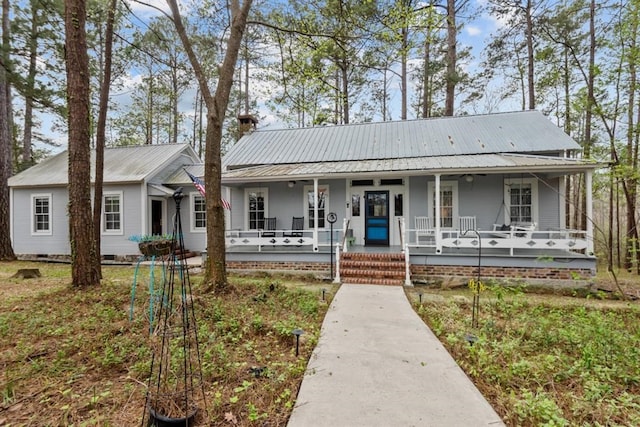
(376, 226)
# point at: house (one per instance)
(136, 201)
(365, 194)
(357, 202)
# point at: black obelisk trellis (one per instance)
(176, 393)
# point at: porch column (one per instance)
(437, 215)
(588, 183)
(315, 215)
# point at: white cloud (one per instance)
(473, 30)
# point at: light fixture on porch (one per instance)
(468, 178)
(291, 184)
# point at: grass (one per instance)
(75, 358)
(549, 360)
(70, 357)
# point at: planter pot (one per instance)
(156, 419)
(155, 248)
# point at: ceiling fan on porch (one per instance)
(469, 177)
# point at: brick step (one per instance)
(371, 281)
(349, 272)
(373, 265)
(365, 256)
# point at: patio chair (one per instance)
(424, 228)
(269, 227)
(297, 223)
(467, 223)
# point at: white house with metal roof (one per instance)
(500, 180)
(136, 198)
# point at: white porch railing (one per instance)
(282, 238)
(568, 240)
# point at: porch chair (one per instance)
(467, 223)
(424, 228)
(297, 224)
(269, 227)
(524, 230)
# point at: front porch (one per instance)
(552, 255)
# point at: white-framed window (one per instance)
(198, 212)
(257, 205)
(112, 213)
(521, 200)
(309, 205)
(448, 202)
(41, 214)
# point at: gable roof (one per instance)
(517, 132)
(129, 164)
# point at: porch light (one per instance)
(468, 178)
(297, 332)
(291, 184)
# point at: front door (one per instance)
(376, 228)
(157, 206)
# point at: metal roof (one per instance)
(516, 132)
(121, 164)
(480, 163)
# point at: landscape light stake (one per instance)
(175, 392)
(297, 332)
(323, 292)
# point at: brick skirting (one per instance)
(419, 271)
(426, 271)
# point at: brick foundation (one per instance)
(426, 271)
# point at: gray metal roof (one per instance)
(479, 163)
(121, 164)
(516, 132)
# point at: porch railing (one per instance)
(282, 238)
(566, 240)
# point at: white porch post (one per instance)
(437, 215)
(588, 183)
(315, 214)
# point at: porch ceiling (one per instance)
(479, 163)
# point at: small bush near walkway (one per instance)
(544, 359)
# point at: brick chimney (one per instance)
(246, 124)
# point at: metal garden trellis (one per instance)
(175, 390)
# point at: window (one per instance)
(355, 205)
(41, 214)
(323, 202)
(392, 181)
(198, 212)
(362, 183)
(448, 202)
(256, 207)
(521, 197)
(112, 213)
(398, 205)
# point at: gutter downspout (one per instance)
(437, 216)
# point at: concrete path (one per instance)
(377, 364)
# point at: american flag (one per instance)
(199, 184)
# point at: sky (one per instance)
(474, 34)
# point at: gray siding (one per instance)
(26, 243)
(119, 244)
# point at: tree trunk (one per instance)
(530, 60)
(6, 140)
(403, 72)
(216, 272)
(27, 157)
(83, 272)
(452, 76)
(101, 131)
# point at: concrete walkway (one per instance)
(377, 364)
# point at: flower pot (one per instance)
(155, 247)
(156, 419)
